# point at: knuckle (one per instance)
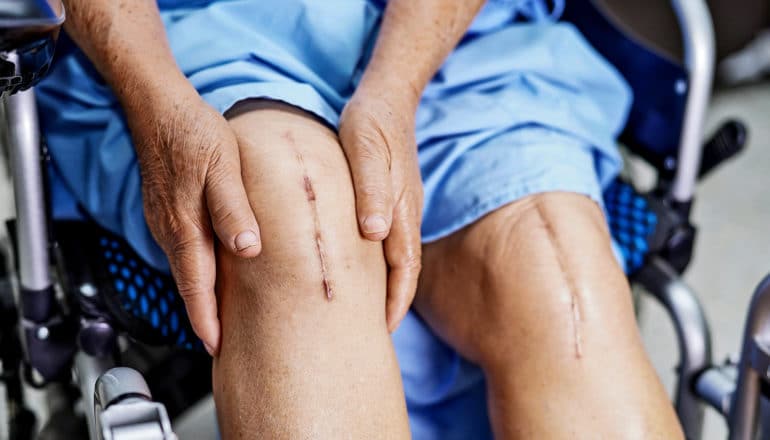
(218, 171)
(217, 166)
(411, 262)
(187, 290)
(375, 193)
(188, 284)
(184, 245)
(220, 211)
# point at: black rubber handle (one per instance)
(728, 141)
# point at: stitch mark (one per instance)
(324, 271)
(309, 189)
(319, 244)
(576, 326)
(574, 296)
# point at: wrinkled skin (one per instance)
(193, 192)
(377, 135)
(192, 189)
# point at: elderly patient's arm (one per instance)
(187, 152)
(126, 42)
(377, 132)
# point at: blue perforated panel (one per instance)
(632, 223)
(147, 294)
(150, 298)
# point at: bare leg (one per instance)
(305, 350)
(534, 295)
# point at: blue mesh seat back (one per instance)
(146, 304)
(632, 219)
(659, 84)
(141, 300)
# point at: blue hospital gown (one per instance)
(523, 105)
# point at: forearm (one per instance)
(414, 40)
(127, 43)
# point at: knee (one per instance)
(551, 247)
(535, 271)
(314, 266)
(311, 263)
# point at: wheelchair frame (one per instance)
(121, 400)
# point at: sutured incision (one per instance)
(571, 285)
(576, 327)
(319, 244)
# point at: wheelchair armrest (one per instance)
(28, 33)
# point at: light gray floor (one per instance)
(732, 255)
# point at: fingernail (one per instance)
(245, 240)
(374, 224)
(208, 349)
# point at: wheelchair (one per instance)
(78, 305)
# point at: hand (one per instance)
(377, 134)
(192, 188)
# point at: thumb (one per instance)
(370, 167)
(232, 218)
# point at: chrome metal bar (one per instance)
(693, 336)
(29, 193)
(745, 404)
(88, 369)
(699, 48)
(716, 388)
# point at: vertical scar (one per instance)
(571, 285)
(309, 189)
(319, 242)
(576, 326)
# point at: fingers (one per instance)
(193, 267)
(369, 161)
(231, 214)
(403, 251)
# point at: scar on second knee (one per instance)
(569, 281)
(319, 242)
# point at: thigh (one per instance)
(533, 293)
(305, 349)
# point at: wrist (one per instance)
(392, 86)
(147, 92)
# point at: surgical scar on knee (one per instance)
(576, 326)
(309, 189)
(319, 243)
(571, 285)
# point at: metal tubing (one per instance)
(716, 388)
(693, 336)
(745, 403)
(29, 194)
(699, 48)
(88, 370)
